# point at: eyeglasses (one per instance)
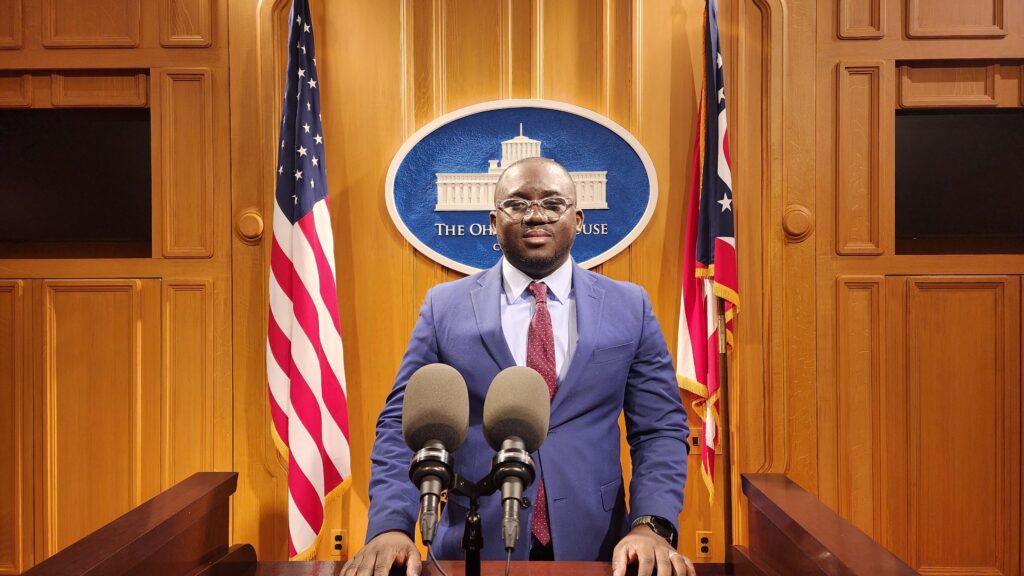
(551, 208)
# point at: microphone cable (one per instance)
(433, 560)
(508, 561)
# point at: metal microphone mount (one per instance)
(511, 462)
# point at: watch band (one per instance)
(659, 526)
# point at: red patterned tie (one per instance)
(540, 355)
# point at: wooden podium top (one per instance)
(488, 568)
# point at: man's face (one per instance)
(535, 246)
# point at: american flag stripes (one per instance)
(305, 368)
(709, 258)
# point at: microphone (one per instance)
(435, 415)
(516, 415)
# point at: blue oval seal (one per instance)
(440, 186)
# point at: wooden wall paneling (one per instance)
(15, 432)
(571, 55)
(186, 23)
(100, 413)
(955, 18)
(421, 54)
(259, 506)
(662, 103)
(861, 19)
(10, 24)
(186, 144)
(895, 495)
(620, 55)
(859, 404)
(947, 85)
(15, 90)
(425, 72)
(518, 48)
(755, 107)
(470, 34)
(377, 303)
(188, 398)
(89, 89)
(963, 378)
(794, 327)
(859, 158)
(96, 24)
(620, 69)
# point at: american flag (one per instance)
(709, 257)
(305, 368)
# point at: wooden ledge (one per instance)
(792, 533)
(179, 531)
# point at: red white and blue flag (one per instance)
(305, 364)
(709, 257)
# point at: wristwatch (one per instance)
(659, 526)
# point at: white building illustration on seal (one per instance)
(475, 191)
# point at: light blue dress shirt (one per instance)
(517, 309)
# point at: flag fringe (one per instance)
(310, 552)
(692, 386)
(709, 482)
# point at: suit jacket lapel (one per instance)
(589, 306)
(487, 309)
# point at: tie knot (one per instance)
(539, 291)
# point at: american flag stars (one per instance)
(301, 123)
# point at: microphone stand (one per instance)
(473, 534)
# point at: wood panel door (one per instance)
(98, 426)
(917, 363)
(957, 342)
(115, 357)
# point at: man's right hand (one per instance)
(379, 554)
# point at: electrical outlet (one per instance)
(704, 545)
(339, 544)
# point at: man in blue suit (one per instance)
(601, 350)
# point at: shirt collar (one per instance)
(515, 281)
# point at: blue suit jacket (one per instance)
(621, 363)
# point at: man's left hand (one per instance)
(649, 550)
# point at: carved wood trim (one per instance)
(958, 78)
(54, 38)
(916, 30)
(15, 90)
(16, 527)
(184, 26)
(188, 375)
(846, 30)
(195, 150)
(851, 420)
(11, 31)
(857, 195)
(1003, 516)
(51, 479)
(78, 90)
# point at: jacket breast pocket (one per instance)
(612, 353)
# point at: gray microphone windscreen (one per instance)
(517, 404)
(436, 407)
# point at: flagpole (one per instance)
(723, 410)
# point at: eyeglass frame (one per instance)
(530, 204)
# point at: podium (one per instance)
(184, 532)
